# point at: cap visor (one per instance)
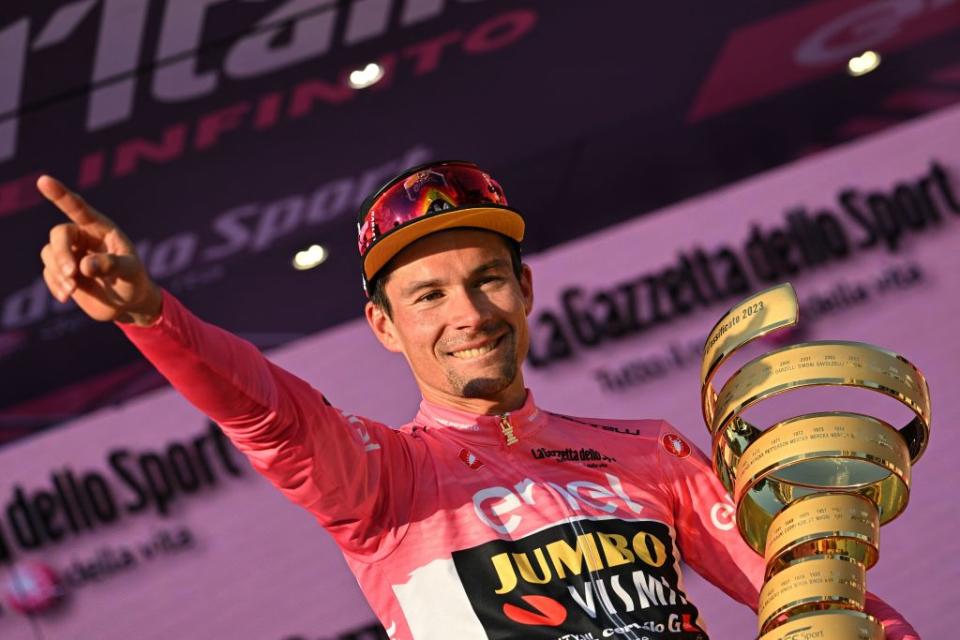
(499, 219)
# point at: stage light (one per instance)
(310, 257)
(368, 76)
(863, 63)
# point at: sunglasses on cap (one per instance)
(426, 199)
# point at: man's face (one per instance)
(459, 316)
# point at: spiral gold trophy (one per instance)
(812, 491)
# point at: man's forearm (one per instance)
(227, 378)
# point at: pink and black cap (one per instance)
(425, 199)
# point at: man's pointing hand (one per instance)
(90, 260)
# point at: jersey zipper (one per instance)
(507, 430)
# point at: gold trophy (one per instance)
(812, 491)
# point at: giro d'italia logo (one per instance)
(32, 587)
(675, 445)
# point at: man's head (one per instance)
(441, 263)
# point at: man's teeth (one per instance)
(473, 353)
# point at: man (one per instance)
(486, 516)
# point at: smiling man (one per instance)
(486, 516)
(458, 314)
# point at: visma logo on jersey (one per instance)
(588, 578)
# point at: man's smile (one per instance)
(478, 350)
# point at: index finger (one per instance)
(71, 204)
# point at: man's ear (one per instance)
(526, 287)
(383, 327)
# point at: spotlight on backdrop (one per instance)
(863, 63)
(312, 256)
(365, 77)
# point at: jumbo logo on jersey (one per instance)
(587, 578)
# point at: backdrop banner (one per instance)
(223, 137)
(154, 527)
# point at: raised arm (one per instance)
(356, 476)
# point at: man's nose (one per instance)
(471, 309)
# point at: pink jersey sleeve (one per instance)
(355, 475)
(704, 520)
(710, 543)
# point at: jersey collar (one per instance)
(486, 429)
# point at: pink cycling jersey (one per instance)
(525, 525)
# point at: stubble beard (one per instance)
(489, 386)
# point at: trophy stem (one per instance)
(817, 567)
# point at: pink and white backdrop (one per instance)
(233, 559)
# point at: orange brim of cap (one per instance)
(498, 219)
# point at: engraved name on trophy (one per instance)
(812, 491)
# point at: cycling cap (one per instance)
(429, 198)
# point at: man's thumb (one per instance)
(100, 265)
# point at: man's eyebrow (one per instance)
(420, 284)
(414, 287)
(497, 263)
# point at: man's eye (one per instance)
(490, 279)
(432, 295)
